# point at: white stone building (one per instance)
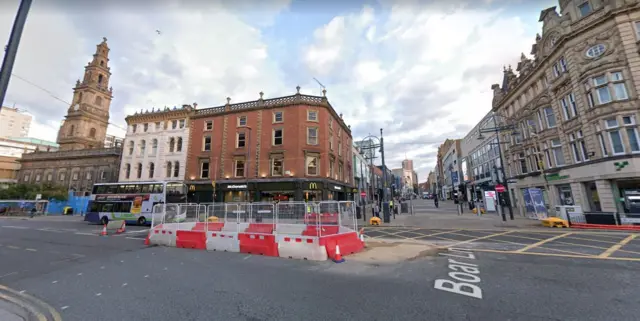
(155, 146)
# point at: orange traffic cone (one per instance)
(146, 240)
(104, 230)
(338, 258)
(362, 235)
(122, 227)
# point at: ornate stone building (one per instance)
(82, 159)
(155, 147)
(575, 107)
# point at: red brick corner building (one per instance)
(287, 148)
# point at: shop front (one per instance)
(337, 192)
(312, 191)
(235, 192)
(275, 191)
(200, 192)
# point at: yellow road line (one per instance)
(438, 233)
(616, 247)
(590, 240)
(558, 255)
(534, 245)
(480, 238)
(25, 306)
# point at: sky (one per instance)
(420, 69)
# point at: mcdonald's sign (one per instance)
(192, 188)
(313, 186)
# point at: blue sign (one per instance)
(454, 178)
(538, 201)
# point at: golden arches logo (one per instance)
(313, 185)
(192, 188)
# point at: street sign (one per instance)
(500, 188)
(363, 194)
(38, 197)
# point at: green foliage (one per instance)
(29, 192)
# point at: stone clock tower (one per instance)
(85, 125)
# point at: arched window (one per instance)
(176, 169)
(152, 168)
(139, 174)
(131, 147)
(172, 144)
(72, 129)
(179, 145)
(168, 169)
(143, 146)
(98, 101)
(99, 79)
(127, 170)
(101, 63)
(154, 146)
(92, 133)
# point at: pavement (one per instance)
(86, 277)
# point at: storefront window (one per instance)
(566, 197)
(280, 196)
(593, 197)
(312, 196)
(236, 196)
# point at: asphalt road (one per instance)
(86, 277)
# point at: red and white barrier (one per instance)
(164, 234)
(301, 247)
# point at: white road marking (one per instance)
(16, 227)
(102, 268)
(146, 276)
(133, 238)
(80, 273)
(23, 291)
(12, 273)
(98, 294)
(246, 257)
(465, 273)
(88, 234)
(121, 261)
(54, 282)
(64, 307)
(32, 250)
(13, 247)
(124, 284)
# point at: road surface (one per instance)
(87, 277)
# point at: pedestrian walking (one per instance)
(435, 201)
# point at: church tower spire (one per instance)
(85, 125)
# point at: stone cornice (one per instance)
(71, 154)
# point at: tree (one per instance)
(29, 192)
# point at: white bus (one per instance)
(132, 202)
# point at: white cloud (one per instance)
(426, 77)
(199, 56)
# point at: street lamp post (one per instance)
(385, 199)
(12, 48)
(497, 130)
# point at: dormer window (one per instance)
(584, 8)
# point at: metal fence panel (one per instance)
(262, 213)
(348, 215)
(216, 210)
(294, 212)
(236, 212)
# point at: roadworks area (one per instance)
(390, 252)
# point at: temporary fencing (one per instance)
(302, 230)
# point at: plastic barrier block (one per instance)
(223, 241)
(260, 228)
(164, 237)
(301, 247)
(215, 226)
(329, 218)
(199, 227)
(262, 244)
(349, 244)
(313, 230)
(191, 240)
